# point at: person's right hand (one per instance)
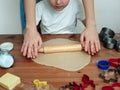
(32, 42)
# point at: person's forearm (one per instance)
(89, 13)
(30, 13)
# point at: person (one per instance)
(32, 39)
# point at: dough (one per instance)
(70, 61)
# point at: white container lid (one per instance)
(6, 46)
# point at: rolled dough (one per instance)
(70, 61)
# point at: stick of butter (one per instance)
(9, 81)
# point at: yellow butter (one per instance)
(9, 81)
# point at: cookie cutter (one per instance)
(40, 85)
(74, 86)
(103, 65)
(115, 62)
(111, 79)
(111, 87)
(109, 43)
(106, 32)
(117, 47)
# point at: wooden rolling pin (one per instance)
(61, 48)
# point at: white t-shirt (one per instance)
(59, 22)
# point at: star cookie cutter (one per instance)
(111, 76)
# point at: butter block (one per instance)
(9, 81)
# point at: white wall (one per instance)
(107, 14)
(9, 17)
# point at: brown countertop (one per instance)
(28, 70)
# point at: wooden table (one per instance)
(28, 70)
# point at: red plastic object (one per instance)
(86, 82)
(112, 60)
(111, 87)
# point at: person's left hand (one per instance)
(90, 41)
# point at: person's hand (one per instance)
(32, 42)
(90, 41)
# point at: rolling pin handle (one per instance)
(41, 50)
